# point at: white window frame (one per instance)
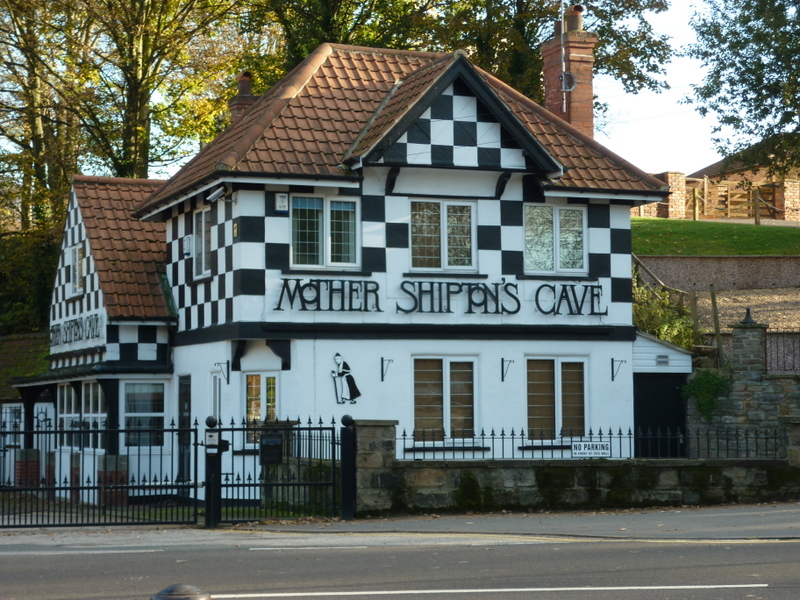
(557, 247)
(128, 415)
(77, 269)
(326, 251)
(201, 243)
(447, 411)
(444, 237)
(81, 419)
(534, 434)
(265, 393)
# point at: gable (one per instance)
(456, 130)
(453, 120)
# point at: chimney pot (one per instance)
(575, 18)
(245, 84)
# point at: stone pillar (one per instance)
(375, 457)
(787, 199)
(792, 439)
(748, 352)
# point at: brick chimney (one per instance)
(239, 104)
(568, 59)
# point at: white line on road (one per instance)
(63, 552)
(313, 548)
(488, 591)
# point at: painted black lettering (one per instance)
(408, 288)
(537, 299)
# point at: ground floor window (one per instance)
(261, 401)
(444, 398)
(556, 398)
(80, 418)
(144, 414)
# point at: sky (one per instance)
(656, 132)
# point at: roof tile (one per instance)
(129, 254)
(332, 103)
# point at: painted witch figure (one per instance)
(344, 384)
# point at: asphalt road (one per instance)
(696, 554)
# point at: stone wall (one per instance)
(725, 272)
(386, 484)
(755, 399)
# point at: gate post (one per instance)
(213, 475)
(348, 439)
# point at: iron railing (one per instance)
(91, 476)
(783, 352)
(279, 470)
(712, 442)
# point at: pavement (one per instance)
(771, 521)
(741, 521)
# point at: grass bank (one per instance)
(711, 238)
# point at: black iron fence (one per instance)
(783, 352)
(278, 470)
(713, 442)
(87, 475)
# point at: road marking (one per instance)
(492, 591)
(313, 548)
(77, 552)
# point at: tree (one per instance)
(305, 24)
(503, 37)
(750, 50)
(141, 46)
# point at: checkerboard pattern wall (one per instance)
(123, 343)
(204, 301)
(457, 130)
(66, 302)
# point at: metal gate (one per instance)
(84, 475)
(91, 476)
(272, 471)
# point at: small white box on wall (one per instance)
(281, 202)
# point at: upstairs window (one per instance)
(201, 250)
(442, 235)
(555, 239)
(323, 231)
(77, 269)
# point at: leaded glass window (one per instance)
(554, 238)
(324, 231)
(441, 235)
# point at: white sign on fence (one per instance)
(591, 449)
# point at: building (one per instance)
(386, 234)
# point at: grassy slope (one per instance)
(705, 238)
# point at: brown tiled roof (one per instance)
(128, 253)
(340, 99)
(23, 355)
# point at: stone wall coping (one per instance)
(789, 419)
(573, 463)
(782, 376)
(374, 423)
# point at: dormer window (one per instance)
(77, 269)
(201, 251)
(442, 235)
(324, 232)
(555, 239)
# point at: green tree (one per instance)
(305, 24)
(750, 50)
(503, 37)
